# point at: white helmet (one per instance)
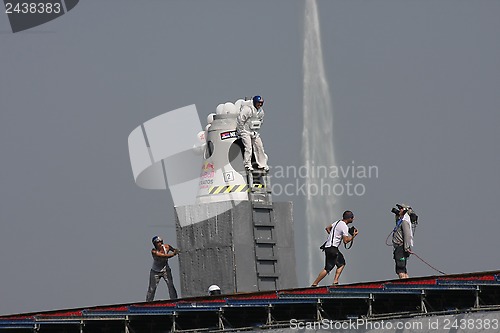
(214, 290)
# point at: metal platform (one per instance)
(426, 296)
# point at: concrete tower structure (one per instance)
(231, 234)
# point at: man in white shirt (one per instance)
(337, 232)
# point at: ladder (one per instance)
(259, 186)
(266, 258)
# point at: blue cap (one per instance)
(257, 98)
(156, 239)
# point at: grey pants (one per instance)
(154, 279)
(253, 143)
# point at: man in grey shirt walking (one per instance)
(160, 268)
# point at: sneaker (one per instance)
(249, 167)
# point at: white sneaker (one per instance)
(249, 167)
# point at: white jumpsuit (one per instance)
(248, 124)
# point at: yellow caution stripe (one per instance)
(231, 189)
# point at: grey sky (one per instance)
(414, 87)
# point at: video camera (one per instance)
(395, 210)
(408, 209)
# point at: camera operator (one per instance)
(402, 240)
(337, 232)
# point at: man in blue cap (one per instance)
(248, 122)
(160, 268)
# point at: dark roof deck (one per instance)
(413, 297)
